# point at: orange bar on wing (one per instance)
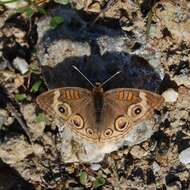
(129, 96)
(121, 95)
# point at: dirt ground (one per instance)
(148, 40)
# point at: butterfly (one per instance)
(98, 116)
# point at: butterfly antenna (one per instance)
(110, 78)
(83, 75)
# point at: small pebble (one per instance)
(155, 167)
(138, 152)
(95, 167)
(95, 7)
(106, 171)
(126, 151)
(15, 4)
(21, 65)
(5, 119)
(170, 95)
(184, 156)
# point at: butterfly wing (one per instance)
(73, 105)
(124, 108)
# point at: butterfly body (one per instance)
(98, 101)
(99, 116)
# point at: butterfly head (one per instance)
(97, 88)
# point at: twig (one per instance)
(109, 4)
(13, 111)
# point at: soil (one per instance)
(148, 41)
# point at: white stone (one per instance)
(21, 65)
(184, 156)
(16, 4)
(95, 167)
(170, 95)
(155, 167)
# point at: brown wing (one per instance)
(73, 105)
(124, 108)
